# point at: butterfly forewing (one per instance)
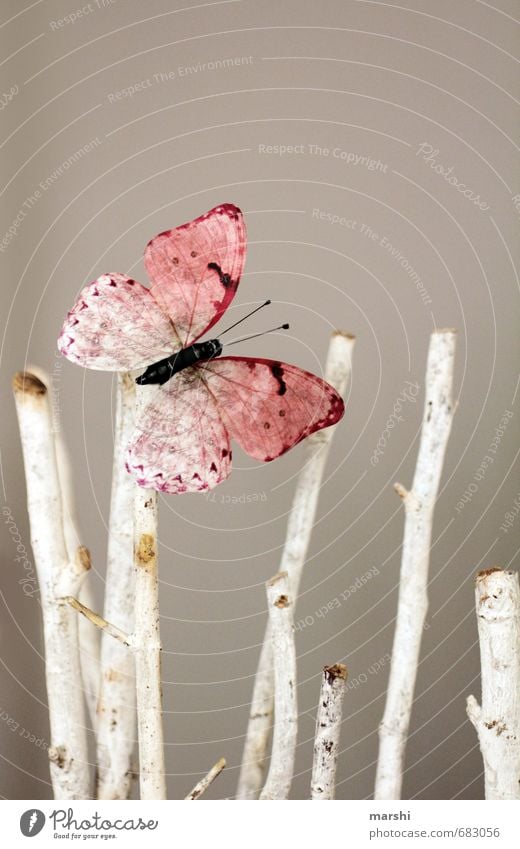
(116, 325)
(195, 269)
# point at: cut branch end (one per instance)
(83, 560)
(338, 670)
(473, 711)
(280, 576)
(26, 383)
(282, 601)
(484, 573)
(401, 490)
(345, 334)
(146, 549)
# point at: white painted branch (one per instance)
(147, 642)
(252, 769)
(299, 529)
(57, 576)
(278, 782)
(88, 637)
(328, 728)
(497, 722)
(208, 779)
(117, 727)
(305, 501)
(419, 506)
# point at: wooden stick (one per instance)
(57, 576)
(299, 528)
(328, 728)
(117, 727)
(281, 769)
(419, 506)
(147, 643)
(208, 779)
(497, 722)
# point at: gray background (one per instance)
(371, 78)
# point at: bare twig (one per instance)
(57, 577)
(278, 782)
(117, 730)
(497, 722)
(98, 621)
(88, 637)
(208, 779)
(147, 642)
(328, 727)
(299, 528)
(419, 506)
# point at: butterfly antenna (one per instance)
(246, 338)
(244, 318)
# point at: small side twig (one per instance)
(281, 769)
(328, 727)
(299, 529)
(98, 620)
(419, 504)
(57, 576)
(147, 641)
(117, 725)
(497, 722)
(208, 779)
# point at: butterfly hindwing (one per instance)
(116, 325)
(182, 440)
(269, 406)
(195, 269)
(181, 443)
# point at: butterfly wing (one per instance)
(181, 443)
(182, 439)
(268, 406)
(195, 269)
(116, 325)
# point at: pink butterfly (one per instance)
(199, 399)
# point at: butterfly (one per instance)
(197, 399)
